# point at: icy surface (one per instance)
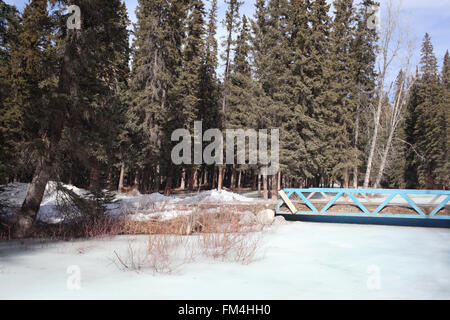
(299, 261)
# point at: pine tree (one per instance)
(312, 72)
(108, 118)
(429, 127)
(122, 139)
(241, 89)
(35, 80)
(410, 175)
(445, 107)
(69, 98)
(364, 49)
(272, 73)
(299, 125)
(157, 63)
(242, 107)
(209, 89)
(187, 89)
(10, 114)
(232, 24)
(209, 94)
(90, 138)
(342, 151)
(188, 85)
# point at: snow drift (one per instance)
(146, 206)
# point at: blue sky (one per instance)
(432, 16)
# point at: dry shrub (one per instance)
(178, 226)
(134, 259)
(220, 222)
(160, 250)
(224, 236)
(221, 236)
(100, 227)
(169, 252)
(238, 247)
(173, 226)
(94, 227)
(162, 254)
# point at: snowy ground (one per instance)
(297, 261)
(144, 206)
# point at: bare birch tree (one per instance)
(396, 111)
(388, 51)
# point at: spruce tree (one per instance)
(364, 49)
(157, 63)
(241, 89)
(429, 127)
(273, 76)
(445, 109)
(242, 112)
(299, 131)
(75, 85)
(209, 89)
(412, 158)
(231, 23)
(108, 117)
(342, 151)
(34, 85)
(188, 85)
(10, 113)
(209, 94)
(312, 72)
(187, 89)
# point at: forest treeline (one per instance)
(87, 108)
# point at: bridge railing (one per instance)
(425, 204)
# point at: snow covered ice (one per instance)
(299, 261)
(296, 261)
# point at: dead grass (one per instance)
(160, 254)
(168, 253)
(134, 258)
(173, 243)
(237, 247)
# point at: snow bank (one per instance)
(154, 197)
(217, 196)
(145, 206)
(15, 193)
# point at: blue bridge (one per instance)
(427, 208)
